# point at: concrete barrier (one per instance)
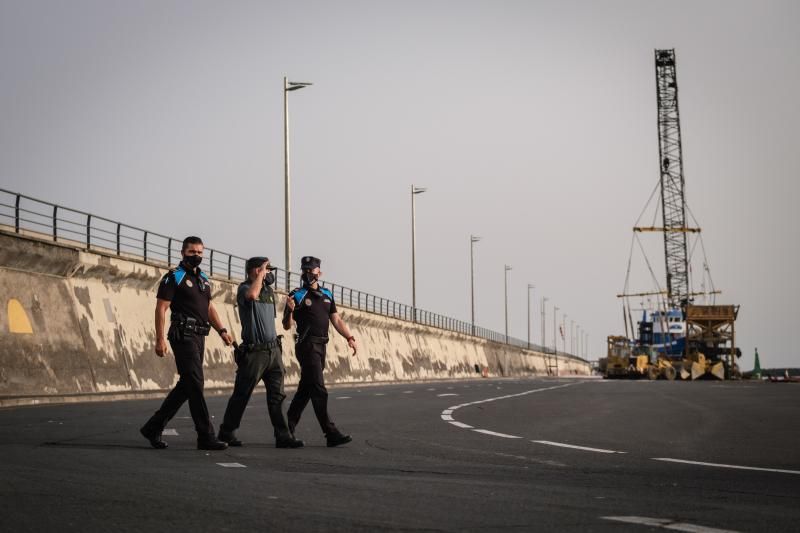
(79, 324)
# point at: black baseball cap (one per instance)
(309, 262)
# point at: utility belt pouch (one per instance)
(239, 351)
(190, 326)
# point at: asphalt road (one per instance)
(488, 455)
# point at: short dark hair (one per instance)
(255, 262)
(190, 240)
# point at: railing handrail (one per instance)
(151, 250)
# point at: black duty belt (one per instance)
(187, 324)
(314, 339)
(263, 346)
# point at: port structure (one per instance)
(673, 202)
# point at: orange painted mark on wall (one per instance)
(17, 318)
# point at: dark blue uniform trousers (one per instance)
(188, 350)
(311, 357)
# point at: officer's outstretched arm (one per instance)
(213, 317)
(344, 331)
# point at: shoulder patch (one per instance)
(299, 294)
(327, 292)
(203, 275)
(179, 273)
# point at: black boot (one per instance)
(288, 441)
(210, 442)
(337, 438)
(154, 437)
(229, 437)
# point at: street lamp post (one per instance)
(564, 331)
(530, 287)
(572, 337)
(472, 240)
(414, 192)
(555, 330)
(288, 86)
(544, 302)
(505, 282)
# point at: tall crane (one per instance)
(673, 203)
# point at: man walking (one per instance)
(259, 357)
(312, 307)
(186, 291)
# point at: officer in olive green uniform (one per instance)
(259, 357)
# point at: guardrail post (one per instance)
(88, 232)
(145, 247)
(229, 267)
(118, 246)
(16, 215)
(169, 251)
(211, 264)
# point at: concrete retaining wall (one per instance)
(75, 323)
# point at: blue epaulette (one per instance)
(326, 292)
(177, 274)
(299, 294)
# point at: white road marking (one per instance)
(574, 447)
(231, 465)
(380, 394)
(447, 414)
(343, 397)
(430, 389)
(666, 524)
(170, 432)
(408, 392)
(447, 394)
(718, 465)
(494, 433)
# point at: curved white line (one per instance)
(447, 414)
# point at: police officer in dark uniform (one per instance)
(312, 307)
(259, 357)
(186, 291)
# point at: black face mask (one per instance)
(192, 261)
(269, 278)
(308, 278)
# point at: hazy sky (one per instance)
(533, 124)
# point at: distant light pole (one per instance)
(505, 282)
(544, 302)
(530, 286)
(288, 86)
(472, 240)
(572, 337)
(564, 331)
(555, 330)
(578, 339)
(414, 192)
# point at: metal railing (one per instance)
(94, 233)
